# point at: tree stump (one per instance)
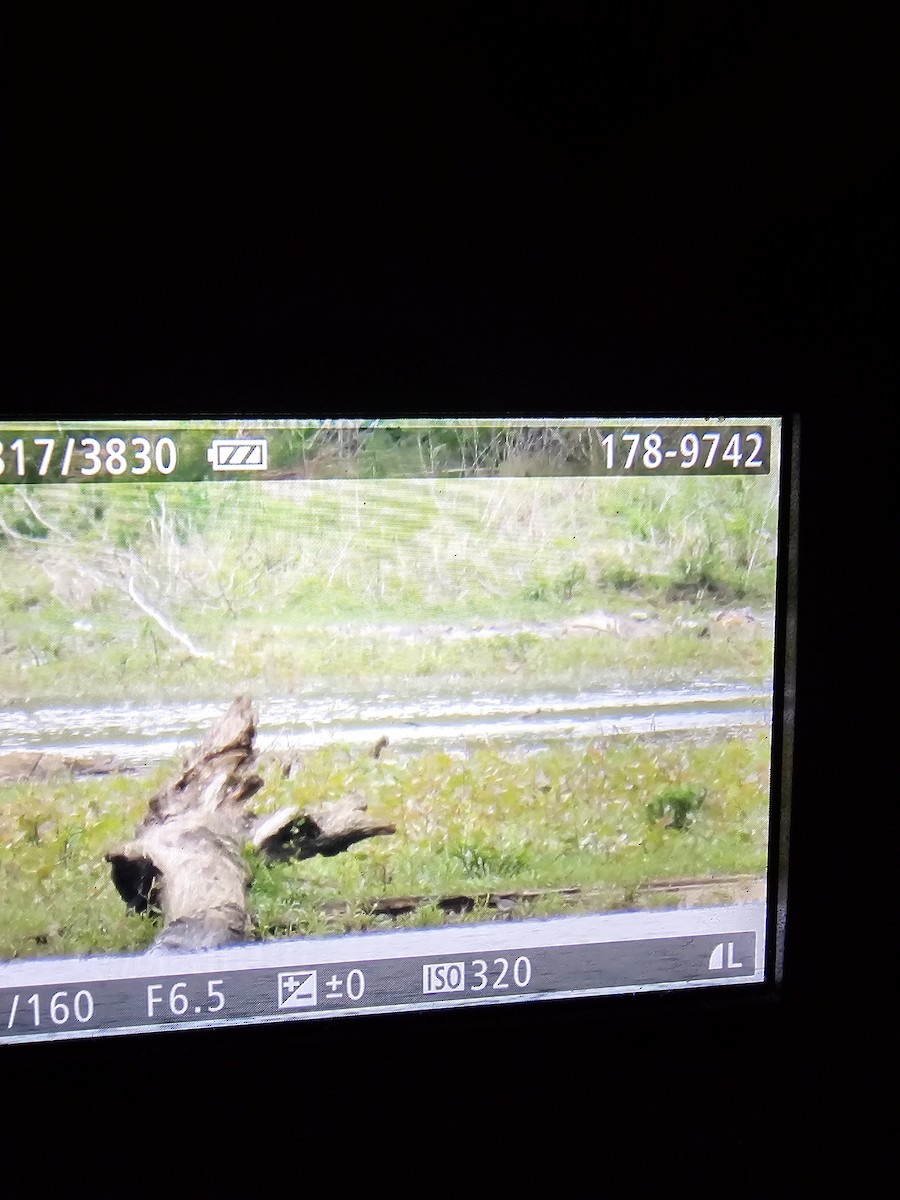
(187, 857)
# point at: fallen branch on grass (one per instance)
(106, 566)
(187, 857)
(20, 765)
(166, 623)
(517, 902)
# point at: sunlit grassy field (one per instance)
(278, 585)
(206, 591)
(606, 817)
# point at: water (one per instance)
(150, 731)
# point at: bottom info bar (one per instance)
(156, 1001)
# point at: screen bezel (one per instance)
(494, 1020)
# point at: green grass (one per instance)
(251, 571)
(488, 820)
(282, 583)
(267, 661)
(390, 549)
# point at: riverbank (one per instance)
(608, 818)
(590, 649)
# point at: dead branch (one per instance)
(166, 623)
(14, 535)
(289, 833)
(187, 857)
(39, 516)
(115, 569)
(19, 765)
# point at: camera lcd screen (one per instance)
(310, 719)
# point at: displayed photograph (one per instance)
(378, 678)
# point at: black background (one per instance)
(486, 208)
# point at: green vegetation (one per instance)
(408, 586)
(282, 583)
(676, 807)
(490, 819)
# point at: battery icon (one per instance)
(238, 454)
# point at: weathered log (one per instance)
(187, 857)
(290, 833)
(20, 765)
